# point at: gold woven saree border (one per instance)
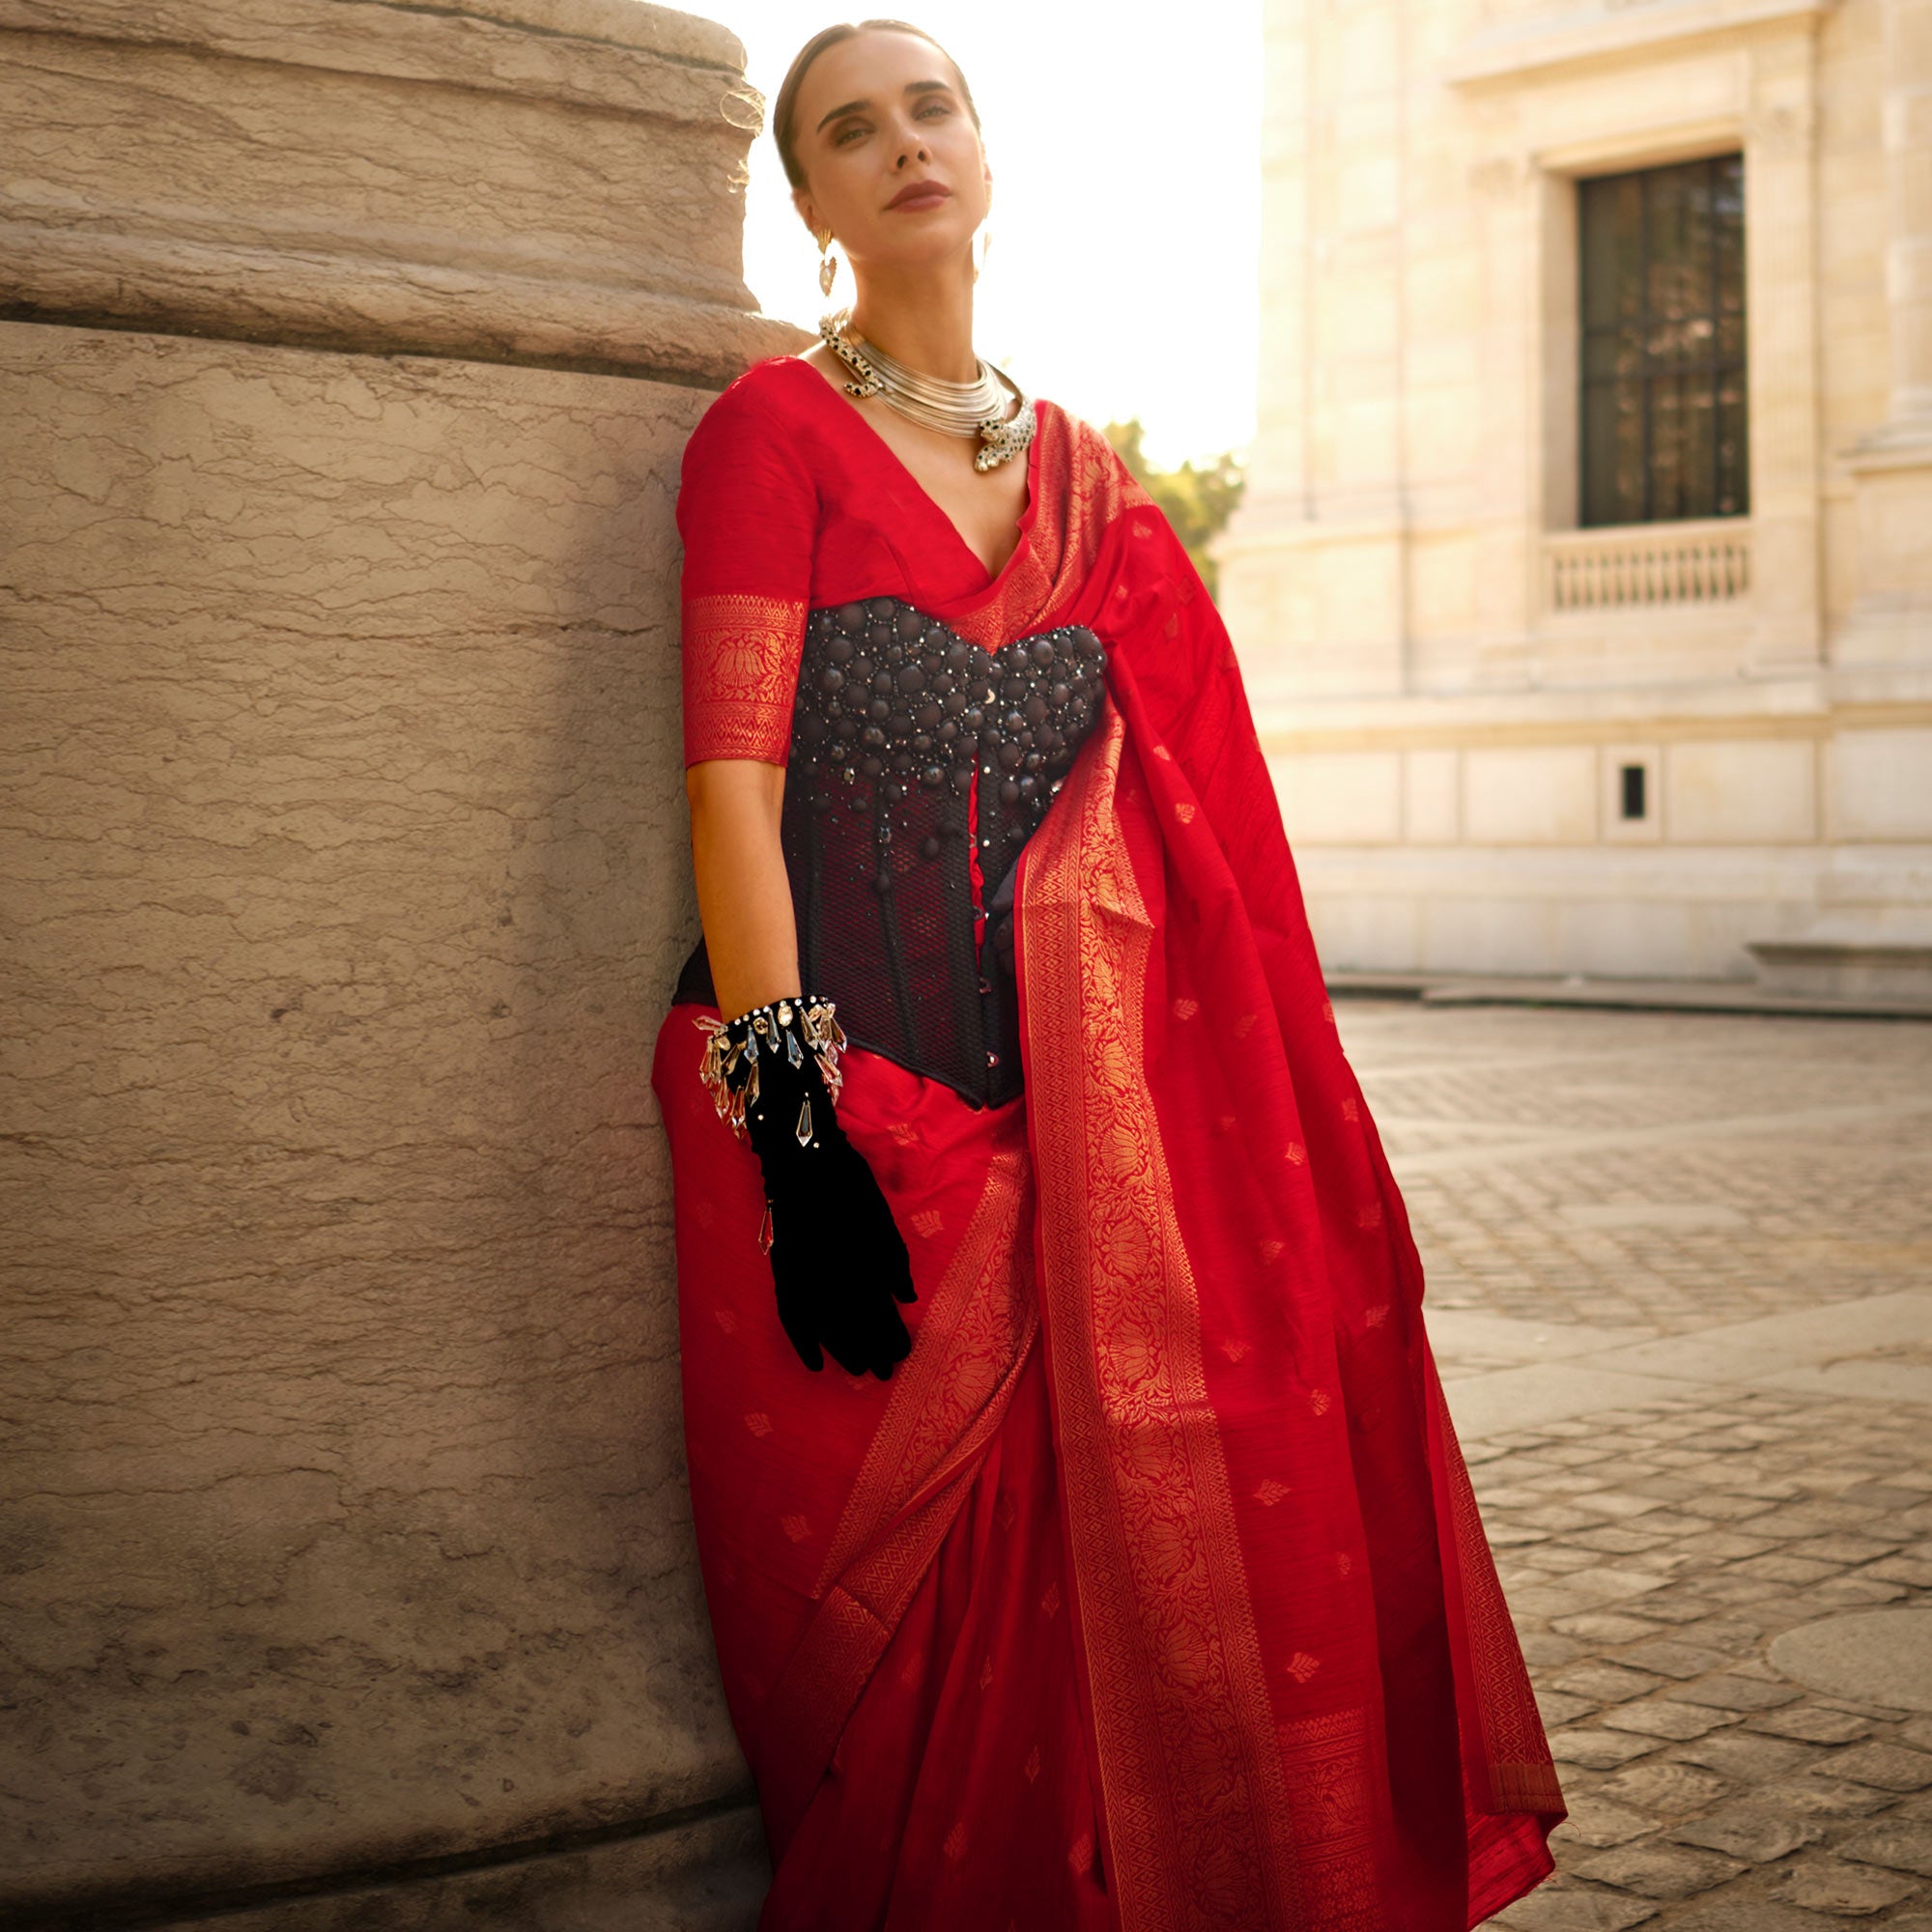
(1198, 1816)
(973, 1334)
(1081, 488)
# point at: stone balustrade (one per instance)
(1639, 566)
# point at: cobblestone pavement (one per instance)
(1681, 1288)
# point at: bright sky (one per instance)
(1125, 151)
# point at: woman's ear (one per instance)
(807, 213)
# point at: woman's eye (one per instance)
(844, 136)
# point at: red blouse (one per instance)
(791, 501)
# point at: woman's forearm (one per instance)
(744, 895)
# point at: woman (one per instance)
(1123, 1571)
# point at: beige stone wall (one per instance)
(1448, 674)
(344, 872)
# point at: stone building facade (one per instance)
(347, 355)
(1533, 707)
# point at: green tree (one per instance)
(1197, 499)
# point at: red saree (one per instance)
(1150, 1592)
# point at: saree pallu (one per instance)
(1150, 1593)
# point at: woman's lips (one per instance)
(925, 195)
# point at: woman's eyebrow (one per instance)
(855, 106)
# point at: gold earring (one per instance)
(828, 265)
(985, 247)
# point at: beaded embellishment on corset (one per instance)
(902, 733)
(897, 718)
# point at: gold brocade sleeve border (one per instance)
(741, 654)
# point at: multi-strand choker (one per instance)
(975, 408)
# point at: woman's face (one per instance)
(875, 115)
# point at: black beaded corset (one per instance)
(908, 743)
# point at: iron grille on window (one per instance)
(1663, 430)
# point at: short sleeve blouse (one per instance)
(790, 501)
(748, 512)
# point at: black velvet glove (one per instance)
(838, 1263)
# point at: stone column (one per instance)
(1781, 269)
(345, 1560)
(1906, 120)
(1271, 612)
(1314, 566)
(1892, 622)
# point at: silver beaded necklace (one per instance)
(975, 408)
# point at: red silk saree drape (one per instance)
(1150, 1593)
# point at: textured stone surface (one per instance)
(1654, 1870)
(1605, 1682)
(1813, 1723)
(527, 181)
(1663, 1787)
(1854, 1890)
(1740, 1756)
(345, 851)
(1555, 1908)
(1759, 1254)
(1597, 1821)
(1645, 1230)
(1737, 1694)
(1904, 1847)
(703, 1877)
(1753, 1914)
(345, 860)
(1754, 1835)
(1890, 1766)
(1661, 1717)
(1596, 1749)
(1872, 1654)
